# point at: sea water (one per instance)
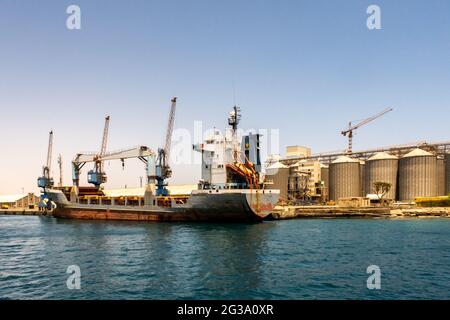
(46, 258)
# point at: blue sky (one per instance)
(304, 67)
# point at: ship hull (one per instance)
(202, 205)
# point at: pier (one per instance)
(24, 212)
(308, 212)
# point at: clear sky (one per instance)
(303, 67)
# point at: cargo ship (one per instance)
(201, 205)
(230, 190)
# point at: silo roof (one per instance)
(277, 165)
(417, 153)
(382, 156)
(345, 159)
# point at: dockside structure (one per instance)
(413, 170)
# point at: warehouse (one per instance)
(18, 200)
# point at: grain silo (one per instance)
(362, 177)
(278, 175)
(417, 175)
(447, 173)
(382, 167)
(345, 178)
(440, 176)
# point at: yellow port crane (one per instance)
(349, 132)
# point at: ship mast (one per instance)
(233, 121)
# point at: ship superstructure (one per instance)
(229, 162)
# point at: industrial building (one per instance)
(414, 170)
(302, 179)
(18, 200)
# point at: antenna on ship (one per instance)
(233, 121)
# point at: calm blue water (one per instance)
(298, 259)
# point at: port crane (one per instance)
(162, 168)
(143, 153)
(97, 176)
(349, 132)
(45, 181)
(157, 165)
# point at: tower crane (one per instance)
(97, 176)
(163, 170)
(45, 181)
(351, 128)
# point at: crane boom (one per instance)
(141, 152)
(49, 152)
(351, 127)
(105, 136)
(366, 121)
(169, 131)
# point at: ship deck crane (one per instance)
(162, 168)
(97, 176)
(351, 128)
(142, 153)
(45, 181)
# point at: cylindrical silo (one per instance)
(362, 176)
(417, 175)
(345, 178)
(278, 174)
(440, 176)
(382, 167)
(447, 173)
